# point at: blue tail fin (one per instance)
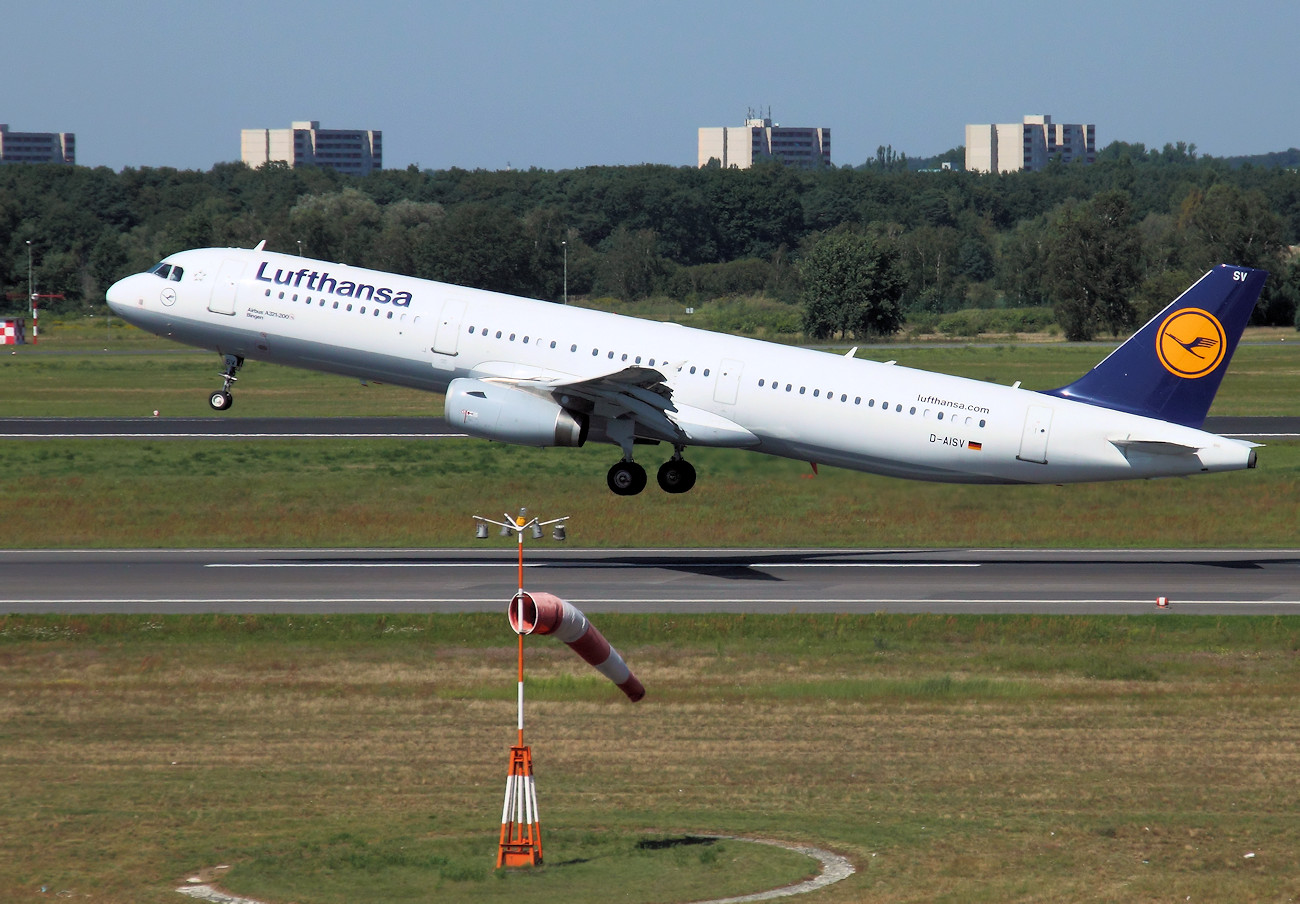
(1172, 367)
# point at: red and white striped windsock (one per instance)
(545, 613)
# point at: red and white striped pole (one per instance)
(520, 843)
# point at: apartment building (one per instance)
(760, 139)
(1028, 145)
(37, 147)
(352, 151)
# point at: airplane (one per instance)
(536, 373)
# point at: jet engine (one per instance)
(509, 415)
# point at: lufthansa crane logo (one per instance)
(1190, 343)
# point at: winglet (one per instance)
(1172, 367)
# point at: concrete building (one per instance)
(37, 147)
(1028, 145)
(352, 151)
(759, 139)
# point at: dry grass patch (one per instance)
(981, 759)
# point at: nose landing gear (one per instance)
(222, 399)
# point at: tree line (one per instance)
(1102, 244)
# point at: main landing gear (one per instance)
(222, 399)
(627, 478)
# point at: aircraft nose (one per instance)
(120, 295)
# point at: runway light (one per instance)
(1162, 602)
(537, 531)
(481, 530)
(559, 533)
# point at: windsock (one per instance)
(545, 613)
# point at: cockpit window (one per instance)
(168, 271)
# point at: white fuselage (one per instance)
(785, 401)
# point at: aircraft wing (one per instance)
(641, 393)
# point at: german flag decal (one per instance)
(974, 446)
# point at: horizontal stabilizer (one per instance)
(1153, 447)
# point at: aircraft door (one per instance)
(1033, 441)
(447, 334)
(226, 287)
(724, 391)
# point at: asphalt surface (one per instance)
(775, 581)
(225, 427)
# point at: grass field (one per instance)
(984, 759)
(405, 493)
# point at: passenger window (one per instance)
(760, 384)
(817, 393)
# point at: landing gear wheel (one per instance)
(222, 399)
(627, 478)
(677, 475)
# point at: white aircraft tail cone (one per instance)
(545, 613)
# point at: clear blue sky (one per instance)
(498, 83)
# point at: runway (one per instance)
(1225, 582)
(1261, 429)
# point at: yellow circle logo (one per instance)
(1190, 343)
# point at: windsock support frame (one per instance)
(521, 828)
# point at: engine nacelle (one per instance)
(508, 415)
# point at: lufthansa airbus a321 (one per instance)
(536, 373)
